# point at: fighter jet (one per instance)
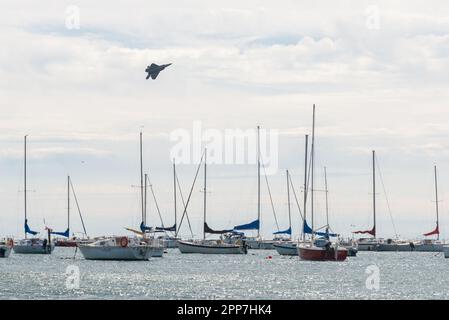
(154, 69)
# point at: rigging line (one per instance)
(77, 205)
(190, 193)
(269, 193)
(184, 204)
(386, 197)
(155, 201)
(296, 198)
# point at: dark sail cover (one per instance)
(172, 228)
(144, 228)
(436, 231)
(64, 234)
(28, 230)
(371, 232)
(288, 231)
(249, 226)
(308, 230)
(209, 230)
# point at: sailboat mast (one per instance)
(145, 200)
(305, 185)
(288, 202)
(374, 192)
(326, 191)
(258, 179)
(174, 194)
(312, 160)
(141, 179)
(204, 190)
(25, 179)
(436, 199)
(68, 203)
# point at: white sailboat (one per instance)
(31, 245)
(138, 247)
(370, 244)
(210, 246)
(117, 248)
(432, 245)
(287, 246)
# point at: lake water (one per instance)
(401, 275)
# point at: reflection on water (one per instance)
(403, 275)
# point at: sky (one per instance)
(72, 78)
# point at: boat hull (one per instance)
(5, 251)
(313, 253)
(171, 243)
(433, 247)
(286, 249)
(446, 251)
(115, 253)
(192, 247)
(68, 243)
(395, 247)
(33, 249)
(260, 244)
(157, 252)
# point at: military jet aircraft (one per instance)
(154, 69)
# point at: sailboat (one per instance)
(432, 245)
(169, 241)
(319, 249)
(287, 246)
(138, 247)
(379, 244)
(6, 247)
(66, 240)
(211, 246)
(256, 242)
(370, 244)
(31, 245)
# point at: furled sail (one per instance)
(207, 229)
(288, 231)
(64, 234)
(28, 230)
(249, 226)
(308, 230)
(371, 232)
(436, 231)
(172, 228)
(144, 228)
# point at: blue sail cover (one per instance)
(144, 228)
(308, 230)
(172, 228)
(288, 231)
(28, 230)
(64, 234)
(249, 226)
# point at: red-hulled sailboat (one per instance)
(320, 249)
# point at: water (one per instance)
(402, 275)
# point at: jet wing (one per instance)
(148, 76)
(154, 75)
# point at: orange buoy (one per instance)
(124, 242)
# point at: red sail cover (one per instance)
(436, 231)
(371, 232)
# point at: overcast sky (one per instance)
(378, 72)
